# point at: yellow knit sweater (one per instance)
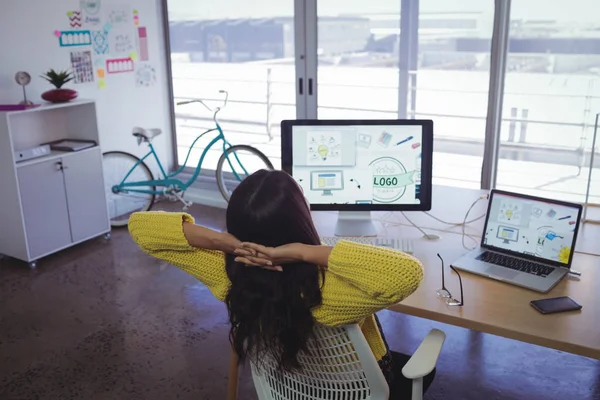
(360, 279)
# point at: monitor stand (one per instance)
(355, 223)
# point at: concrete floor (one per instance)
(104, 321)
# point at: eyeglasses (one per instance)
(445, 293)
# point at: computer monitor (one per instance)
(359, 166)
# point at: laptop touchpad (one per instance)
(503, 273)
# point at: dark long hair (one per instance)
(269, 311)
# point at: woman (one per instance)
(275, 277)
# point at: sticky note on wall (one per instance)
(143, 43)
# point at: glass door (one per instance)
(236, 47)
(551, 97)
(416, 59)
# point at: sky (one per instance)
(561, 10)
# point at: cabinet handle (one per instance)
(60, 166)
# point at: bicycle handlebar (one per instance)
(216, 110)
(182, 103)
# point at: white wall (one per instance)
(28, 43)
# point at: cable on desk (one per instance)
(484, 197)
(454, 223)
(465, 222)
(385, 222)
(425, 234)
(388, 215)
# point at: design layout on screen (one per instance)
(359, 164)
(531, 227)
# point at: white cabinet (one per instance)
(52, 202)
(84, 186)
(44, 205)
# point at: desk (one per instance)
(495, 307)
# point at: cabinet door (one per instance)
(44, 204)
(84, 184)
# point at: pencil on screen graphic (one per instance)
(404, 141)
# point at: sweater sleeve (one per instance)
(363, 279)
(160, 234)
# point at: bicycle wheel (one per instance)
(236, 163)
(121, 204)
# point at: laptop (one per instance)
(527, 241)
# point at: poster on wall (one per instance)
(90, 13)
(121, 42)
(82, 67)
(142, 41)
(73, 38)
(145, 75)
(119, 65)
(74, 19)
(119, 16)
(100, 42)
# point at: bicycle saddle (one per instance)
(145, 135)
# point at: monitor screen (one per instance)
(532, 226)
(360, 165)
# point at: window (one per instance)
(245, 50)
(400, 59)
(373, 73)
(357, 59)
(551, 97)
(450, 85)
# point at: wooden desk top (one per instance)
(495, 307)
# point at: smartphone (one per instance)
(556, 305)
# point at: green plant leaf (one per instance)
(58, 79)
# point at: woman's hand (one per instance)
(271, 258)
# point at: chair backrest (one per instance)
(339, 365)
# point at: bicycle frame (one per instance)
(169, 181)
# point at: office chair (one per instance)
(341, 366)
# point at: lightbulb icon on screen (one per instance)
(323, 151)
(509, 214)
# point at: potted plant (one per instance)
(58, 79)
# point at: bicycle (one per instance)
(130, 185)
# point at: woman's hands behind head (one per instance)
(271, 258)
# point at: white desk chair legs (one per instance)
(423, 361)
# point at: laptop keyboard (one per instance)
(515, 263)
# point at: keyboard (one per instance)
(515, 263)
(404, 245)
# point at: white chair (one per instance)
(342, 367)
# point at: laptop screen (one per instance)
(531, 227)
